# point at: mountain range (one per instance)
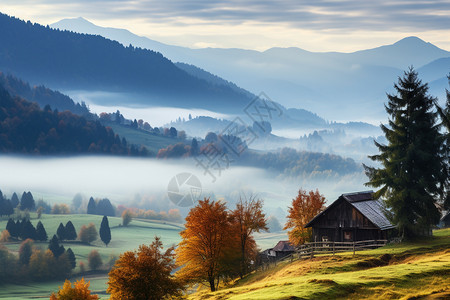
(336, 85)
(65, 60)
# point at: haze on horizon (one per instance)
(311, 25)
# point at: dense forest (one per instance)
(25, 128)
(65, 60)
(41, 95)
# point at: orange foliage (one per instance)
(145, 274)
(305, 207)
(5, 236)
(79, 291)
(204, 243)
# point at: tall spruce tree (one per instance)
(444, 114)
(27, 230)
(70, 232)
(12, 228)
(15, 200)
(105, 231)
(27, 201)
(41, 233)
(71, 258)
(92, 207)
(411, 162)
(61, 232)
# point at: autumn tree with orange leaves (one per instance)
(79, 291)
(304, 207)
(204, 243)
(145, 274)
(247, 218)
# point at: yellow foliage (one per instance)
(79, 291)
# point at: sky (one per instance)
(314, 25)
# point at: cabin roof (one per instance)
(366, 205)
(283, 246)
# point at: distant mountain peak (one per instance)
(411, 40)
(78, 24)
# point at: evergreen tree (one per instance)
(6, 208)
(71, 258)
(61, 232)
(92, 207)
(105, 231)
(104, 207)
(19, 227)
(411, 161)
(444, 114)
(27, 230)
(41, 233)
(70, 232)
(55, 247)
(12, 228)
(14, 200)
(27, 201)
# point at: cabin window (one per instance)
(347, 235)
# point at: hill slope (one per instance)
(68, 60)
(407, 271)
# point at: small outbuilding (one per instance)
(281, 249)
(352, 217)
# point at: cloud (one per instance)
(309, 14)
(183, 20)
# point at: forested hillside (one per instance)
(41, 95)
(68, 60)
(25, 128)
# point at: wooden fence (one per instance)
(309, 249)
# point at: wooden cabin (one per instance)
(352, 217)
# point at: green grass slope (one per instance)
(414, 270)
(142, 138)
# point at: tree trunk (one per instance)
(211, 284)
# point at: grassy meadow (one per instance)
(138, 232)
(123, 239)
(412, 270)
(409, 270)
(139, 137)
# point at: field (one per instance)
(407, 270)
(401, 271)
(123, 239)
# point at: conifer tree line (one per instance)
(36, 264)
(7, 206)
(414, 173)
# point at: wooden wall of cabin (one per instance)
(343, 222)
